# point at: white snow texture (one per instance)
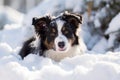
(92, 65)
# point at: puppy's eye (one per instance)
(52, 34)
(66, 32)
(63, 28)
(53, 30)
(68, 25)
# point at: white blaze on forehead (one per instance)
(61, 37)
(60, 24)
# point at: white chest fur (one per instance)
(74, 50)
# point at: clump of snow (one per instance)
(114, 24)
(113, 32)
(111, 40)
(99, 15)
(12, 34)
(97, 23)
(5, 49)
(101, 46)
(93, 40)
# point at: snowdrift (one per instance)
(85, 67)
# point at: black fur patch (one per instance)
(27, 49)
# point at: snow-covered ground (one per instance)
(92, 65)
(85, 67)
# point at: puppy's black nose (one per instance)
(61, 44)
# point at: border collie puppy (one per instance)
(55, 38)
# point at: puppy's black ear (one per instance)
(34, 20)
(72, 18)
(41, 24)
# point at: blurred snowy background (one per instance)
(100, 32)
(100, 28)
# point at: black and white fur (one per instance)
(55, 38)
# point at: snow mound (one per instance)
(85, 67)
(5, 49)
(12, 34)
(9, 16)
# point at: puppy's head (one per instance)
(67, 25)
(58, 34)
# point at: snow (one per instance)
(77, 5)
(41, 9)
(114, 24)
(85, 67)
(12, 34)
(101, 46)
(97, 23)
(5, 49)
(92, 65)
(9, 16)
(113, 31)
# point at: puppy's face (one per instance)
(59, 34)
